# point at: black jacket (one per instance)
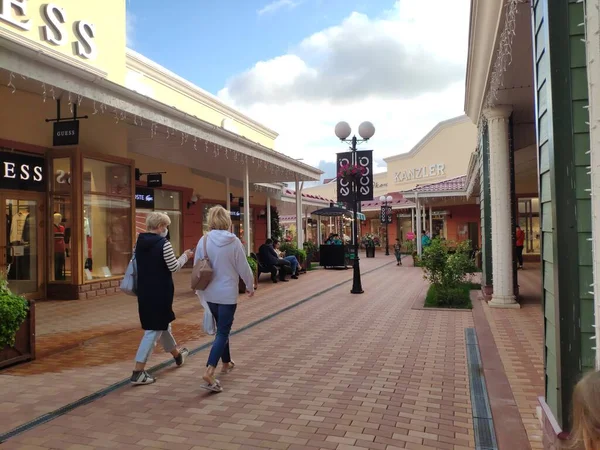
(267, 255)
(155, 288)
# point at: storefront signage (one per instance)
(418, 173)
(235, 213)
(65, 133)
(22, 172)
(56, 26)
(154, 180)
(144, 198)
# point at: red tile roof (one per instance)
(292, 193)
(457, 184)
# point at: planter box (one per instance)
(242, 287)
(370, 252)
(24, 348)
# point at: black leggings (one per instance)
(520, 255)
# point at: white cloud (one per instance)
(277, 5)
(403, 71)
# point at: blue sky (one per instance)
(300, 66)
(209, 41)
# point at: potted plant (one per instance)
(370, 241)
(254, 267)
(311, 253)
(16, 332)
(350, 172)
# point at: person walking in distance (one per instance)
(156, 263)
(397, 252)
(228, 260)
(520, 243)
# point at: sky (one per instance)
(301, 66)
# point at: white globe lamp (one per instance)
(342, 130)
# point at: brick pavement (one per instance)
(50, 382)
(519, 337)
(338, 372)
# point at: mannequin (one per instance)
(59, 247)
(87, 242)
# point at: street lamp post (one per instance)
(385, 201)
(366, 130)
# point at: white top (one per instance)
(229, 263)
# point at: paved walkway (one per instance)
(519, 337)
(338, 371)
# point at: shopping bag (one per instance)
(209, 325)
(129, 282)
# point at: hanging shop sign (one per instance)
(419, 173)
(65, 132)
(386, 215)
(154, 180)
(22, 172)
(55, 29)
(235, 213)
(144, 198)
(364, 158)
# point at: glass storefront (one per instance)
(163, 200)
(529, 221)
(106, 221)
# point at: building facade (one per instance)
(93, 136)
(534, 168)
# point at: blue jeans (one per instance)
(293, 262)
(223, 315)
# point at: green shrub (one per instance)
(13, 312)
(447, 269)
(310, 248)
(253, 265)
(290, 249)
(457, 297)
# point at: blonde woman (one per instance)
(586, 413)
(229, 263)
(156, 263)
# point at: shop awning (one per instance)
(335, 211)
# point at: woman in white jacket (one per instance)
(228, 260)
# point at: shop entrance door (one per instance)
(22, 242)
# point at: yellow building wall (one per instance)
(450, 148)
(23, 114)
(106, 17)
(146, 84)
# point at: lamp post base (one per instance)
(356, 282)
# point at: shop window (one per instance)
(61, 229)
(168, 202)
(106, 177)
(107, 236)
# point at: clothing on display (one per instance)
(18, 233)
(18, 227)
(59, 248)
(87, 244)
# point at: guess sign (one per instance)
(22, 172)
(66, 133)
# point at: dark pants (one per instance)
(223, 315)
(280, 268)
(520, 255)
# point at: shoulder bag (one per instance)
(202, 273)
(129, 282)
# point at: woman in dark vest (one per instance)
(156, 263)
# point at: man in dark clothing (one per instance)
(267, 256)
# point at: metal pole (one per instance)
(387, 234)
(356, 282)
(268, 217)
(431, 221)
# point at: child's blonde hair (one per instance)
(586, 413)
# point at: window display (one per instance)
(237, 219)
(106, 222)
(62, 214)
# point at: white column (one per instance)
(419, 228)
(318, 230)
(246, 209)
(227, 195)
(299, 236)
(593, 70)
(430, 221)
(502, 245)
(412, 219)
(268, 217)
(424, 219)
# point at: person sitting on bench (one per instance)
(268, 257)
(295, 265)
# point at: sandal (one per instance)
(229, 368)
(212, 385)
